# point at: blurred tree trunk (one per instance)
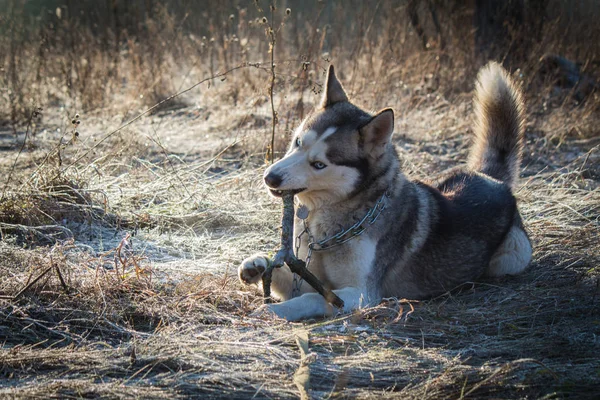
(412, 10)
(496, 22)
(536, 17)
(507, 29)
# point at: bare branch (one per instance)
(286, 255)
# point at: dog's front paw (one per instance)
(273, 310)
(252, 268)
(280, 310)
(264, 311)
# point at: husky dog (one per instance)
(371, 233)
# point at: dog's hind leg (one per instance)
(513, 255)
(313, 305)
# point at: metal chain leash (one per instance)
(335, 240)
(297, 283)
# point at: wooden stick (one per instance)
(286, 255)
(30, 284)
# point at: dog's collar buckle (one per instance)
(302, 212)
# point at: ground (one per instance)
(137, 239)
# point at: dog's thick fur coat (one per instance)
(429, 239)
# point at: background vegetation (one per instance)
(133, 136)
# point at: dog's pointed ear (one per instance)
(334, 92)
(378, 132)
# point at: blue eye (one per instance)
(298, 142)
(318, 165)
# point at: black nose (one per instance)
(273, 180)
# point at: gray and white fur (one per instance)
(430, 238)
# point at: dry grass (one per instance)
(119, 246)
(181, 328)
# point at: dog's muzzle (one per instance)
(273, 181)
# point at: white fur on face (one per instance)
(328, 132)
(327, 185)
(309, 138)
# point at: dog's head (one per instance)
(335, 152)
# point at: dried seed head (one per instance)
(78, 122)
(264, 20)
(76, 115)
(231, 17)
(73, 122)
(288, 11)
(76, 133)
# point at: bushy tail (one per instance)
(499, 125)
